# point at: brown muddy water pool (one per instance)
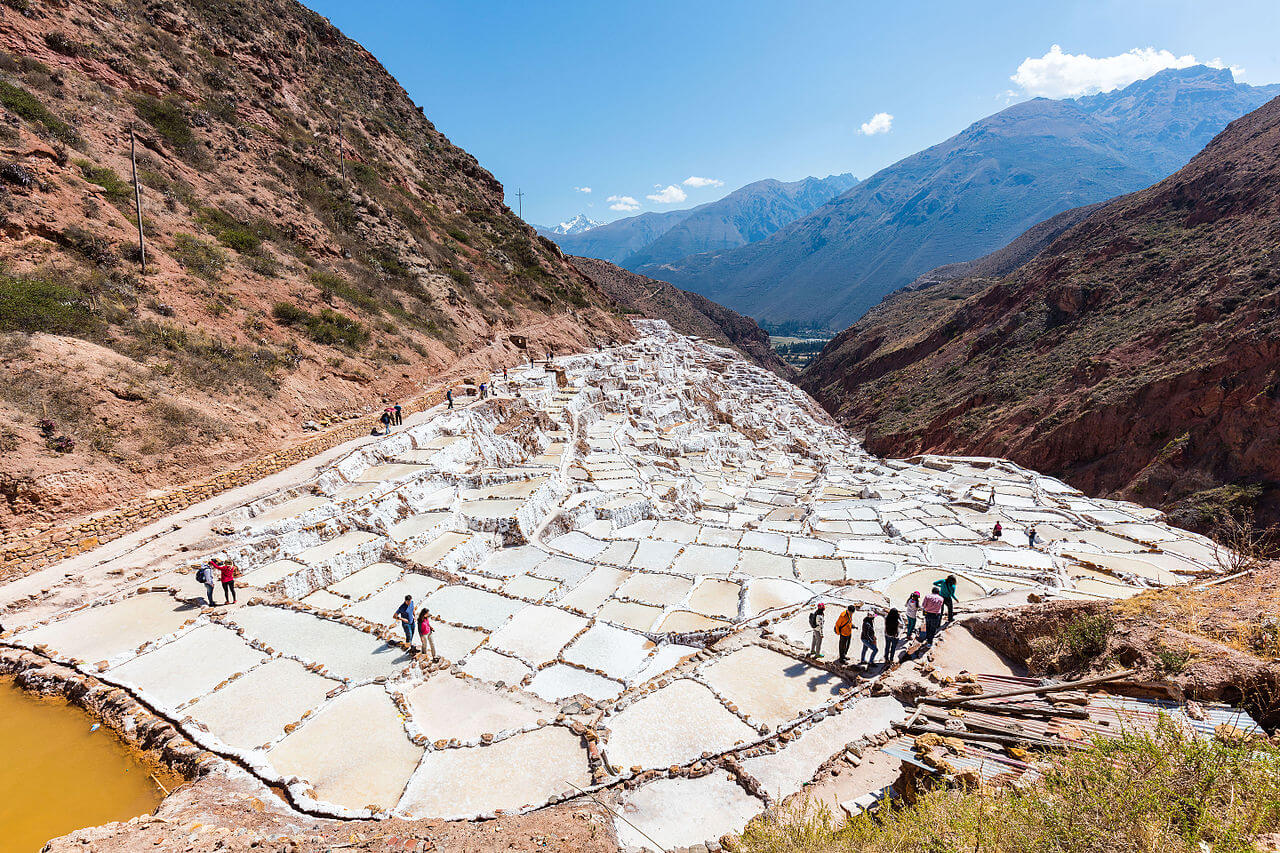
(57, 776)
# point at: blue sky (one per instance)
(630, 99)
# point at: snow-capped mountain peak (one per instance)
(576, 225)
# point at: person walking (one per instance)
(844, 630)
(1031, 536)
(228, 578)
(404, 615)
(386, 421)
(997, 531)
(482, 390)
(448, 396)
(912, 611)
(892, 622)
(947, 588)
(932, 606)
(399, 414)
(816, 619)
(869, 639)
(204, 575)
(424, 633)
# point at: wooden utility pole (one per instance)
(342, 155)
(137, 199)
(520, 202)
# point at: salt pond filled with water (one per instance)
(58, 776)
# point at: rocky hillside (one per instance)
(970, 195)
(313, 245)
(686, 312)
(1138, 355)
(646, 242)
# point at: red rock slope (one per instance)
(314, 245)
(1138, 355)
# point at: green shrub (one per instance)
(462, 278)
(117, 190)
(29, 304)
(324, 327)
(168, 119)
(1166, 791)
(23, 104)
(198, 256)
(1085, 637)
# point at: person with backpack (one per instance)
(227, 574)
(844, 630)
(398, 414)
(816, 618)
(947, 589)
(386, 421)
(404, 615)
(912, 611)
(1031, 536)
(483, 390)
(869, 639)
(892, 622)
(424, 633)
(204, 575)
(997, 531)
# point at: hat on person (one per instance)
(821, 606)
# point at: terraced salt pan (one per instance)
(446, 706)
(563, 569)
(344, 652)
(387, 473)
(657, 589)
(509, 562)
(788, 770)
(611, 650)
(594, 589)
(495, 668)
(462, 782)
(112, 630)
(679, 812)
(1125, 564)
(537, 633)
(473, 607)
(254, 709)
(354, 752)
(639, 617)
(271, 573)
(706, 560)
(769, 687)
(654, 555)
(367, 581)
(325, 600)
(188, 667)
(714, 597)
(673, 725)
(527, 586)
(558, 681)
(922, 581)
(433, 552)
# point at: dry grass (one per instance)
(1166, 792)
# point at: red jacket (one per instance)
(228, 572)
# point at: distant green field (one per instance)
(797, 351)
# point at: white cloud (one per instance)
(582, 189)
(695, 181)
(670, 195)
(1069, 75)
(878, 123)
(625, 203)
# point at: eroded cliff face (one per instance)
(314, 246)
(1137, 356)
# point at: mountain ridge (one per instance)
(967, 196)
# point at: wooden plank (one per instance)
(1028, 691)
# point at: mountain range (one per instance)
(745, 215)
(1137, 355)
(576, 225)
(968, 196)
